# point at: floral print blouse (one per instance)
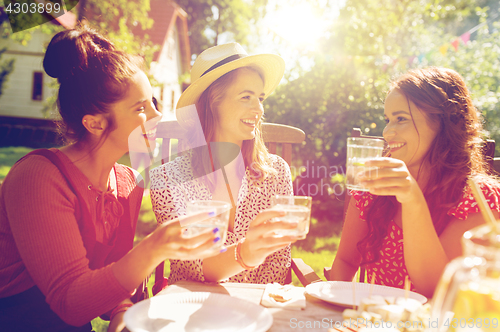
(173, 184)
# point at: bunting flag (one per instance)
(387, 62)
(443, 49)
(465, 37)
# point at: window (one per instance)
(171, 48)
(37, 90)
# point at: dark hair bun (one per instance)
(70, 51)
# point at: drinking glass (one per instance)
(220, 220)
(298, 209)
(360, 150)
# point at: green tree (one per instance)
(6, 67)
(118, 19)
(208, 19)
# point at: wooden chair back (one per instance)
(278, 137)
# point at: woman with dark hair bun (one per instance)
(68, 215)
(418, 206)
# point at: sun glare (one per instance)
(298, 24)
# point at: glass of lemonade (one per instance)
(220, 220)
(298, 209)
(359, 150)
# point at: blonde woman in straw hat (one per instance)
(223, 107)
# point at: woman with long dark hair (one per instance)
(222, 112)
(68, 215)
(418, 205)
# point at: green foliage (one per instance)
(208, 19)
(6, 67)
(147, 220)
(8, 157)
(118, 19)
(479, 64)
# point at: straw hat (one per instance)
(219, 60)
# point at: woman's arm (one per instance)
(254, 250)
(425, 254)
(165, 242)
(452, 235)
(272, 256)
(116, 323)
(348, 258)
(41, 213)
(276, 266)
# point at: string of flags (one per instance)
(388, 62)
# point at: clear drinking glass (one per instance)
(298, 209)
(359, 150)
(220, 220)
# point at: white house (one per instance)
(27, 87)
(170, 32)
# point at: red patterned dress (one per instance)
(390, 269)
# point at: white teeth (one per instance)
(396, 145)
(248, 121)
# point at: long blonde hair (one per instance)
(254, 152)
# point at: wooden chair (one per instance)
(275, 135)
(488, 151)
(489, 154)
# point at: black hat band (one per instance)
(224, 61)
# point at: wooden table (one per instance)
(317, 316)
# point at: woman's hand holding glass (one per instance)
(392, 178)
(260, 242)
(172, 243)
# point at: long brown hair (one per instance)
(454, 155)
(254, 152)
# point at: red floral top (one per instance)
(390, 269)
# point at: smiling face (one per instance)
(132, 113)
(409, 133)
(240, 110)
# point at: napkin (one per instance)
(286, 297)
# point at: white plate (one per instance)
(340, 292)
(197, 312)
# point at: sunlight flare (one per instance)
(298, 24)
